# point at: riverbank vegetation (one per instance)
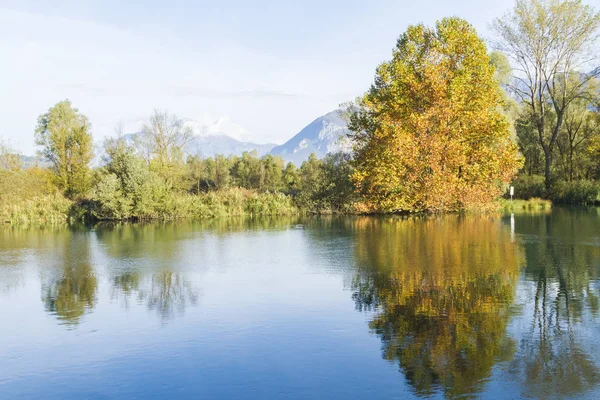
(447, 125)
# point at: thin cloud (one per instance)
(210, 93)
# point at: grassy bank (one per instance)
(49, 209)
(56, 209)
(577, 193)
(532, 205)
(224, 203)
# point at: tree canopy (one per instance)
(66, 141)
(430, 133)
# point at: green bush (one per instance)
(532, 205)
(110, 204)
(529, 186)
(576, 193)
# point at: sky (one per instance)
(270, 66)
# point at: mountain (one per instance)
(217, 136)
(32, 161)
(214, 136)
(326, 134)
(209, 146)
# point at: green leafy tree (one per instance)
(162, 143)
(290, 179)
(548, 41)
(66, 141)
(311, 182)
(196, 173)
(246, 171)
(128, 188)
(581, 126)
(218, 170)
(339, 191)
(271, 173)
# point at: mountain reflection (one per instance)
(563, 262)
(69, 286)
(440, 291)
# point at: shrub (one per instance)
(576, 193)
(529, 186)
(532, 205)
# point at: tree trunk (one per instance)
(548, 164)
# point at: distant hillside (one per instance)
(326, 134)
(32, 161)
(215, 137)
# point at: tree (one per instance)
(197, 173)
(339, 191)
(127, 188)
(66, 141)
(581, 125)
(290, 179)
(218, 172)
(430, 134)
(271, 173)
(246, 171)
(311, 182)
(161, 143)
(548, 41)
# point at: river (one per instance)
(493, 306)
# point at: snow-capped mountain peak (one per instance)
(207, 125)
(326, 134)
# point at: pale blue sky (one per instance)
(271, 66)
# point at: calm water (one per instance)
(329, 308)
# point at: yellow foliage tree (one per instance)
(430, 134)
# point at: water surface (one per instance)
(357, 308)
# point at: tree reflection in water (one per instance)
(149, 267)
(440, 289)
(562, 263)
(144, 266)
(69, 287)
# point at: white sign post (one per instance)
(512, 192)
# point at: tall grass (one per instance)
(41, 210)
(524, 206)
(224, 203)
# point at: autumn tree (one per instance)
(66, 141)
(548, 41)
(430, 133)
